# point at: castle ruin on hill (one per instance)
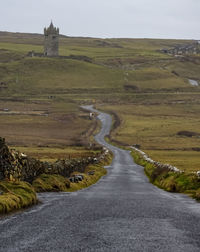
(51, 41)
(51, 47)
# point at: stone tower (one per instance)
(51, 41)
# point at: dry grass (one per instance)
(36, 123)
(186, 160)
(42, 131)
(51, 154)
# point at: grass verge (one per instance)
(99, 171)
(16, 195)
(187, 183)
(51, 183)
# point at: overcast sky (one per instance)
(104, 18)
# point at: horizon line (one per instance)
(79, 36)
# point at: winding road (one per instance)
(122, 212)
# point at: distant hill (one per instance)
(37, 39)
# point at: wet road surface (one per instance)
(122, 212)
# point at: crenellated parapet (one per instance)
(51, 30)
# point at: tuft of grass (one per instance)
(51, 183)
(16, 195)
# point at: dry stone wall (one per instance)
(157, 164)
(17, 166)
(160, 165)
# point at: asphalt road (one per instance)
(122, 212)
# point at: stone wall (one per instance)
(17, 166)
(157, 164)
(71, 56)
(168, 167)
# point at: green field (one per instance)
(148, 90)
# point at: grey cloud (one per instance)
(105, 18)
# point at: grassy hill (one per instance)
(148, 90)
